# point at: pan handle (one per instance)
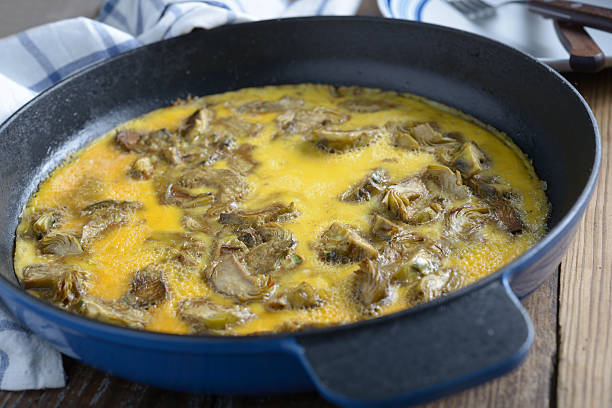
(423, 355)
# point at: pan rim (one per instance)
(102, 329)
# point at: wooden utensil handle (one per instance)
(574, 12)
(585, 54)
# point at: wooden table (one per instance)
(569, 365)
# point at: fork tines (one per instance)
(473, 9)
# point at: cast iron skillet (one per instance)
(412, 356)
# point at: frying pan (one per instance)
(412, 356)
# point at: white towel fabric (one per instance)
(26, 361)
(33, 60)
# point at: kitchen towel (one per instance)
(35, 59)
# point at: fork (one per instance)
(561, 10)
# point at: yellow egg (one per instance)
(290, 169)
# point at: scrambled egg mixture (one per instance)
(278, 208)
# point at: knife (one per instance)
(585, 54)
(573, 12)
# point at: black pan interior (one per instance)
(493, 83)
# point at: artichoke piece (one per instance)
(490, 187)
(303, 120)
(151, 143)
(241, 159)
(188, 197)
(111, 206)
(441, 283)
(197, 223)
(228, 243)
(421, 261)
(276, 212)
(443, 182)
(464, 223)
(142, 168)
(364, 105)
(147, 287)
(370, 186)
(42, 276)
(291, 261)
(128, 139)
(155, 142)
(271, 248)
(203, 315)
(231, 278)
(469, 160)
(113, 312)
(346, 91)
(196, 124)
(423, 136)
(383, 228)
(45, 223)
(406, 141)
(253, 236)
(234, 127)
(62, 284)
(405, 244)
(179, 246)
(409, 202)
(340, 244)
(340, 141)
(370, 284)
(269, 256)
(60, 244)
(507, 216)
(426, 135)
(104, 215)
(209, 148)
(230, 185)
(302, 296)
(261, 107)
(171, 154)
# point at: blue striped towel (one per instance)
(33, 60)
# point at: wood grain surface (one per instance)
(585, 312)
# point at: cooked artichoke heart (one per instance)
(409, 202)
(302, 296)
(60, 244)
(370, 284)
(443, 182)
(441, 283)
(196, 124)
(45, 223)
(147, 287)
(341, 244)
(115, 312)
(339, 141)
(276, 212)
(259, 107)
(364, 105)
(305, 120)
(469, 160)
(370, 186)
(231, 278)
(464, 223)
(65, 284)
(204, 315)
